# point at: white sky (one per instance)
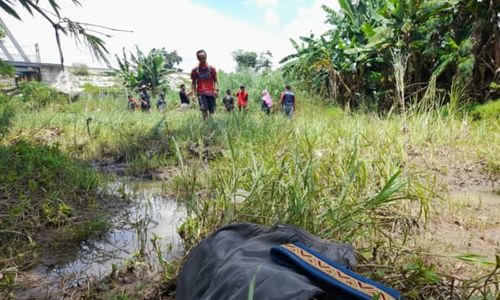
(181, 25)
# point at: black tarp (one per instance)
(222, 265)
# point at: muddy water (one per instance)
(150, 214)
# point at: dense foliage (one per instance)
(151, 69)
(80, 69)
(434, 42)
(37, 95)
(5, 69)
(249, 60)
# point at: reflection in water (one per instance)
(151, 215)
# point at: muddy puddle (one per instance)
(150, 215)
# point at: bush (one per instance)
(490, 110)
(97, 91)
(80, 69)
(45, 199)
(6, 115)
(38, 95)
(42, 185)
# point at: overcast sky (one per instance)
(219, 26)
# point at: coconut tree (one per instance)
(87, 34)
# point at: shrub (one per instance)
(6, 115)
(44, 184)
(97, 91)
(80, 69)
(490, 110)
(38, 95)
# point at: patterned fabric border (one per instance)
(362, 287)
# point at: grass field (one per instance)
(390, 185)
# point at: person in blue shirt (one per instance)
(288, 101)
(161, 103)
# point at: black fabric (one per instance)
(288, 98)
(145, 100)
(228, 102)
(265, 108)
(207, 103)
(184, 97)
(223, 265)
(145, 96)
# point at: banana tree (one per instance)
(444, 39)
(141, 69)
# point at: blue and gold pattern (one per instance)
(332, 276)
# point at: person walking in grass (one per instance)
(204, 83)
(228, 101)
(267, 102)
(145, 98)
(183, 95)
(161, 103)
(132, 103)
(288, 101)
(242, 99)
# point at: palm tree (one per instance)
(85, 33)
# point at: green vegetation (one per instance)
(394, 115)
(5, 69)
(350, 176)
(37, 95)
(97, 92)
(489, 110)
(42, 190)
(439, 42)
(150, 69)
(246, 60)
(80, 69)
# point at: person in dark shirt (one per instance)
(228, 101)
(288, 101)
(183, 95)
(161, 103)
(145, 98)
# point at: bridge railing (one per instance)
(18, 57)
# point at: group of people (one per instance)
(287, 101)
(144, 101)
(205, 88)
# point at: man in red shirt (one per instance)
(204, 78)
(242, 98)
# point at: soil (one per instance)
(467, 218)
(54, 250)
(455, 172)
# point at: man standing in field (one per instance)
(228, 101)
(184, 96)
(145, 98)
(204, 84)
(288, 104)
(242, 99)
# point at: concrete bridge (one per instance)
(46, 72)
(28, 67)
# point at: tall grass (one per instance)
(346, 176)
